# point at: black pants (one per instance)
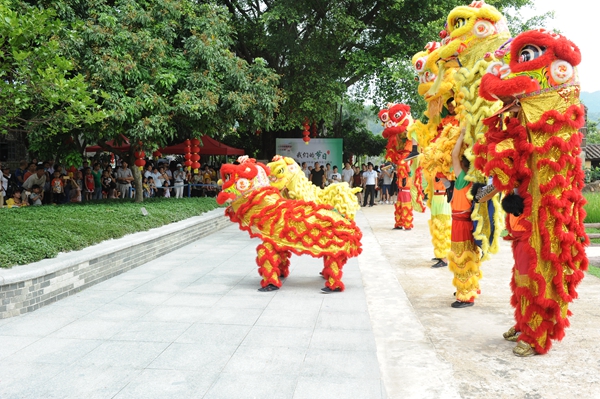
(369, 191)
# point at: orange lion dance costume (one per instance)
(536, 154)
(286, 226)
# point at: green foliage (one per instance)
(358, 139)
(72, 227)
(592, 174)
(592, 208)
(38, 87)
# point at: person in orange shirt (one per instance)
(464, 259)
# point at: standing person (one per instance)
(464, 259)
(403, 210)
(357, 182)
(90, 186)
(179, 177)
(97, 173)
(336, 177)
(57, 188)
(76, 186)
(386, 173)
(124, 179)
(328, 173)
(20, 173)
(4, 179)
(317, 176)
(347, 174)
(305, 170)
(370, 183)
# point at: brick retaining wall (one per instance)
(26, 288)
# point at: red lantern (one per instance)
(305, 132)
(188, 163)
(195, 157)
(195, 149)
(139, 155)
(196, 166)
(156, 154)
(140, 163)
(187, 156)
(195, 142)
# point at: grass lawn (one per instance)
(34, 233)
(592, 208)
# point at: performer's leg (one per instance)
(333, 273)
(398, 215)
(284, 266)
(268, 261)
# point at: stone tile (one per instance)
(11, 344)
(287, 337)
(255, 301)
(292, 318)
(132, 355)
(165, 384)
(336, 303)
(90, 328)
(148, 331)
(347, 340)
(30, 325)
(121, 311)
(89, 382)
(291, 303)
(344, 321)
(342, 364)
(201, 357)
(214, 334)
(56, 350)
(180, 314)
(143, 298)
(344, 388)
(267, 360)
(207, 288)
(197, 300)
(232, 385)
(13, 374)
(246, 317)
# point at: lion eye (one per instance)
(530, 52)
(459, 22)
(398, 115)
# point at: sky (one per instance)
(576, 19)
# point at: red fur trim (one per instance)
(493, 88)
(557, 48)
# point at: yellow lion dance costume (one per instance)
(288, 177)
(286, 226)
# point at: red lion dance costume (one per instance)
(286, 226)
(536, 154)
(396, 121)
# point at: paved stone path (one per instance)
(192, 325)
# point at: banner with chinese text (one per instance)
(318, 150)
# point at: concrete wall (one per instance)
(26, 288)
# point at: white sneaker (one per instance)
(387, 202)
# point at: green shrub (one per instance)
(592, 208)
(34, 233)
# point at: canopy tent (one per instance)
(124, 146)
(209, 146)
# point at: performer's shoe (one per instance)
(413, 154)
(268, 288)
(397, 228)
(436, 259)
(523, 349)
(459, 304)
(441, 263)
(511, 335)
(407, 229)
(327, 290)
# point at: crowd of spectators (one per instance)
(39, 183)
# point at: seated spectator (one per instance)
(58, 188)
(145, 187)
(37, 195)
(151, 187)
(30, 170)
(39, 178)
(166, 190)
(210, 190)
(15, 201)
(112, 183)
(196, 181)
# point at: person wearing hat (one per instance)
(179, 177)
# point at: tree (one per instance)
(39, 90)
(322, 48)
(165, 71)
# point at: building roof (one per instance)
(592, 152)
